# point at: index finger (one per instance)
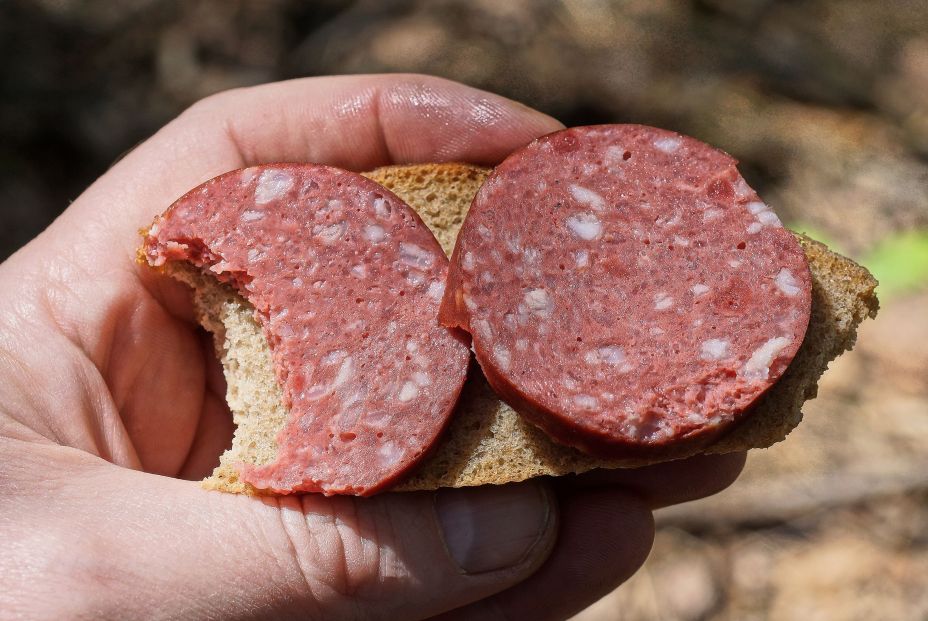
(668, 483)
(355, 122)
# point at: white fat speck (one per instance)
(272, 184)
(315, 392)
(539, 302)
(252, 215)
(502, 356)
(350, 419)
(408, 392)
(768, 217)
(331, 233)
(589, 169)
(674, 221)
(487, 277)
(416, 256)
(391, 327)
(586, 402)
(297, 282)
(786, 282)
(359, 271)
(611, 354)
(615, 155)
(587, 197)
(585, 226)
(421, 378)
(376, 419)
(656, 331)
(389, 453)
(713, 349)
(569, 383)
(742, 188)
(521, 344)
(765, 217)
(711, 214)
(514, 244)
(512, 320)
(662, 301)
(530, 256)
(699, 289)
(681, 241)
(381, 207)
(608, 354)
(467, 262)
(415, 278)
(248, 175)
(374, 233)
(333, 356)
(482, 328)
(469, 302)
(254, 254)
(412, 346)
(345, 371)
(758, 365)
(436, 290)
(697, 323)
(668, 145)
(485, 232)
(755, 207)
(582, 257)
(735, 263)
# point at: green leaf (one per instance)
(900, 262)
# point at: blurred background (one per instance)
(824, 103)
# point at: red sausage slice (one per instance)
(626, 290)
(346, 281)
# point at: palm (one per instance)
(174, 408)
(129, 369)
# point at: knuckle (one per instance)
(342, 551)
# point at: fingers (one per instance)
(356, 122)
(605, 536)
(669, 483)
(166, 548)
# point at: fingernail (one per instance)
(493, 527)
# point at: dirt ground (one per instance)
(824, 103)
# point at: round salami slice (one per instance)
(346, 281)
(626, 290)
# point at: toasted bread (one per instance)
(487, 442)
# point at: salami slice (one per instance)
(346, 281)
(626, 290)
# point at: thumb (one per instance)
(166, 548)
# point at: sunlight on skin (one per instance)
(100, 358)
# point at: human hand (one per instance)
(111, 404)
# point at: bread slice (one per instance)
(487, 442)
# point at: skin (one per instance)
(111, 406)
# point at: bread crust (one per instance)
(487, 442)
